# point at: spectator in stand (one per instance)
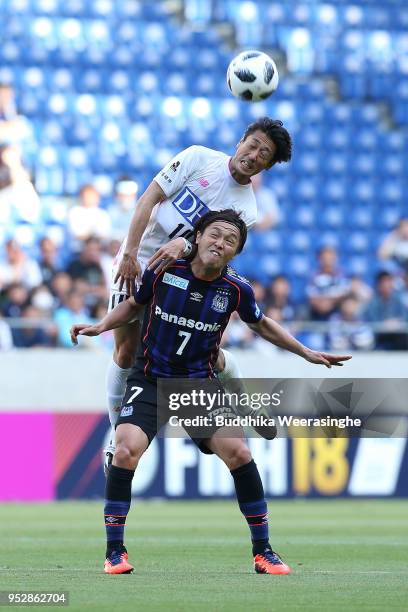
(15, 299)
(87, 267)
(14, 128)
(19, 267)
(87, 218)
(42, 299)
(386, 307)
(33, 334)
(269, 214)
(395, 246)
(259, 292)
(6, 338)
(404, 290)
(72, 311)
(346, 328)
(121, 209)
(18, 199)
(237, 334)
(279, 298)
(61, 285)
(48, 260)
(108, 255)
(327, 287)
(360, 291)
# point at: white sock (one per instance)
(115, 387)
(231, 380)
(231, 369)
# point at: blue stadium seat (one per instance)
(298, 266)
(358, 266)
(357, 242)
(111, 87)
(331, 217)
(360, 217)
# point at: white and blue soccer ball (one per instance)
(252, 76)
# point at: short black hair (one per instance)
(230, 216)
(382, 274)
(275, 131)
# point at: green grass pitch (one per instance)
(345, 555)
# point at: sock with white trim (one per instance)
(115, 387)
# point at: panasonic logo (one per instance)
(183, 322)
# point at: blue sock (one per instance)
(115, 520)
(118, 495)
(252, 503)
(256, 514)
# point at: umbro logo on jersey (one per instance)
(175, 281)
(175, 166)
(203, 182)
(196, 297)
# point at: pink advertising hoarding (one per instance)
(26, 469)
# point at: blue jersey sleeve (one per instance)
(247, 308)
(145, 292)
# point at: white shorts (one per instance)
(116, 295)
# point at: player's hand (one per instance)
(325, 359)
(82, 329)
(166, 255)
(129, 272)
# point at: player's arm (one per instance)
(123, 313)
(168, 254)
(172, 178)
(129, 268)
(275, 334)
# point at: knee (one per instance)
(125, 354)
(127, 456)
(240, 455)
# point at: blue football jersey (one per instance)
(185, 318)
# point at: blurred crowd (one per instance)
(43, 291)
(337, 312)
(47, 286)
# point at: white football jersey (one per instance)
(195, 181)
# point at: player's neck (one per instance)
(237, 176)
(203, 272)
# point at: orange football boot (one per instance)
(117, 563)
(269, 562)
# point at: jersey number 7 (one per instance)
(186, 337)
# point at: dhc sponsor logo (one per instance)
(175, 281)
(190, 207)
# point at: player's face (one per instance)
(218, 244)
(254, 154)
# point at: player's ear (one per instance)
(198, 238)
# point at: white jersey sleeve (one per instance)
(179, 170)
(196, 181)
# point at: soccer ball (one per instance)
(252, 76)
